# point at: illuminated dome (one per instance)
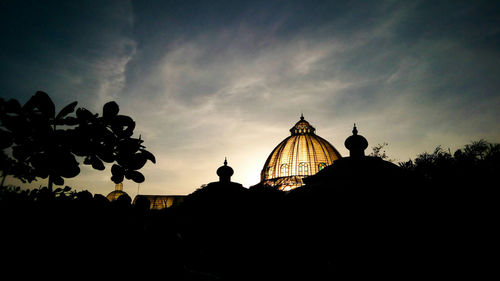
(113, 195)
(300, 155)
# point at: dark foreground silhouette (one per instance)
(433, 218)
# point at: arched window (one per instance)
(270, 172)
(303, 168)
(284, 170)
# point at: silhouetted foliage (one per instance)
(44, 144)
(476, 163)
(379, 151)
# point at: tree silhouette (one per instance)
(44, 144)
(379, 151)
(474, 163)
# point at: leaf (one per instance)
(123, 126)
(21, 152)
(117, 172)
(117, 178)
(16, 124)
(116, 169)
(87, 161)
(105, 149)
(68, 121)
(148, 155)
(84, 114)
(12, 106)
(128, 146)
(106, 156)
(123, 121)
(135, 161)
(5, 139)
(110, 109)
(97, 164)
(70, 171)
(43, 102)
(62, 163)
(136, 176)
(67, 110)
(57, 180)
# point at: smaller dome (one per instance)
(356, 144)
(113, 195)
(225, 172)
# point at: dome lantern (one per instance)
(302, 127)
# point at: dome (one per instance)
(356, 144)
(225, 172)
(113, 195)
(300, 155)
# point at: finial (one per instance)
(225, 172)
(119, 186)
(301, 116)
(354, 130)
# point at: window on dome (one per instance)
(284, 170)
(303, 168)
(321, 166)
(170, 202)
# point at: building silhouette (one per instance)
(303, 159)
(158, 202)
(301, 154)
(358, 169)
(224, 184)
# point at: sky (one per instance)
(205, 80)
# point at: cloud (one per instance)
(205, 81)
(70, 50)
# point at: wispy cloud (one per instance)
(202, 84)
